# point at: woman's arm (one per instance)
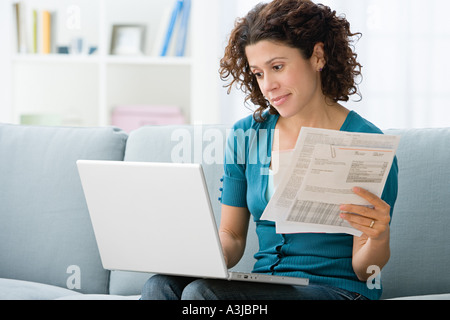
(372, 248)
(368, 252)
(233, 233)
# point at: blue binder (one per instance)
(182, 35)
(176, 11)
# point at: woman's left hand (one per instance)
(372, 221)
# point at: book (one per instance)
(35, 29)
(34, 48)
(53, 31)
(182, 34)
(20, 22)
(46, 32)
(161, 32)
(171, 27)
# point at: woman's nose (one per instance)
(270, 83)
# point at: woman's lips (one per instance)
(278, 101)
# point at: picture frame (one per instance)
(128, 39)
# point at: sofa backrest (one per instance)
(191, 144)
(45, 229)
(420, 237)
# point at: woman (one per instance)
(294, 60)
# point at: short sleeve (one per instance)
(234, 190)
(391, 188)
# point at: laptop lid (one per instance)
(152, 217)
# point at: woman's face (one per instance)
(290, 82)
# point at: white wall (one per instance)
(403, 51)
(232, 105)
(5, 65)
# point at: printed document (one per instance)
(324, 168)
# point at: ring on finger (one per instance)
(372, 224)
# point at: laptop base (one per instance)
(266, 278)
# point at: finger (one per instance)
(358, 220)
(360, 210)
(381, 216)
(364, 226)
(370, 232)
(370, 197)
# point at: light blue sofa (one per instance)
(48, 248)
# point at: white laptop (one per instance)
(157, 218)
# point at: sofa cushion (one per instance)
(45, 230)
(126, 283)
(420, 254)
(24, 290)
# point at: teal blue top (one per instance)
(323, 258)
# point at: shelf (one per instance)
(133, 60)
(90, 86)
(145, 60)
(58, 58)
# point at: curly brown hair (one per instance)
(298, 24)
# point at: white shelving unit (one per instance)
(84, 89)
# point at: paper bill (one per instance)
(325, 166)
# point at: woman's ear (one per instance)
(318, 57)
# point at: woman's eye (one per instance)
(278, 68)
(258, 74)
